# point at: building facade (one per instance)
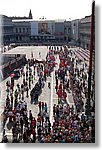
(42, 30)
(67, 31)
(21, 31)
(6, 30)
(85, 32)
(75, 31)
(59, 30)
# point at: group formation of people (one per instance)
(68, 127)
(37, 90)
(70, 124)
(80, 127)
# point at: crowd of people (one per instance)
(70, 124)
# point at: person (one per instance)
(32, 78)
(33, 123)
(27, 92)
(72, 110)
(45, 107)
(4, 132)
(34, 135)
(25, 138)
(39, 106)
(67, 84)
(49, 86)
(39, 54)
(56, 87)
(5, 139)
(47, 117)
(30, 115)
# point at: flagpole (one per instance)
(90, 59)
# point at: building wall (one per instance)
(67, 31)
(7, 29)
(19, 31)
(51, 27)
(22, 31)
(34, 28)
(85, 32)
(59, 30)
(0, 34)
(75, 30)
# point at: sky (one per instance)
(50, 9)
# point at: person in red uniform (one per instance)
(34, 123)
(60, 86)
(59, 93)
(64, 95)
